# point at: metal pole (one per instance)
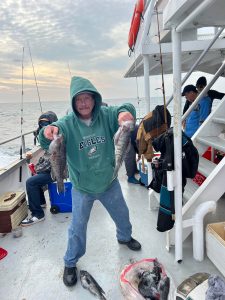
(176, 44)
(198, 61)
(147, 84)
(193, 15)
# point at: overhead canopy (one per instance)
(191, 50)
(174, 13)
(177, 10)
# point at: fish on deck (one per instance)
(89, 283)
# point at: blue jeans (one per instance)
(35, 193)
(113, 201)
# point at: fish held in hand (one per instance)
(57, 150)
(122, 141)
(89, 283)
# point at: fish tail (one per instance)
(60, 186)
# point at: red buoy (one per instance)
(135, 23)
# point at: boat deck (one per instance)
(33, 268)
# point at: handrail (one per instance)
(16, 137)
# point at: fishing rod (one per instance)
(69, 70)
(162, 71)
(22, 147)
(35, 78)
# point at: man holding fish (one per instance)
(93, 163)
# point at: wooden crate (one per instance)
(215, 245)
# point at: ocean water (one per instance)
(10, 122)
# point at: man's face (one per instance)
(190, 96)
(84, 104)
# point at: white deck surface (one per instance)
(33, 268)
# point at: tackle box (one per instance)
(60, 202)
(215, 245)
(143, 174)
(13, 209)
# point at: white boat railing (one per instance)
(22, 137)
(176, 28)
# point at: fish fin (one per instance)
(117, 135)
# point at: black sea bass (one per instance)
(58, 161)
(89, 283)
(122, 141)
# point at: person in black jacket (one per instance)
(35, 184)
(201, 83)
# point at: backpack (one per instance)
(190, 156)
(151, 127)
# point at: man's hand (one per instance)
(50, 131)
(29, 155)
(125, 116)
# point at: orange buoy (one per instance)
(135, 23)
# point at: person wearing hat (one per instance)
(199, 113)
(201, 83)
(42, 176)
(88, 135)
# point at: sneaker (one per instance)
(132, 179)
(31, 221)
(70, 276)
(132, 244)
(44, 205)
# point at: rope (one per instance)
(35, 78)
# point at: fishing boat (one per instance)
(33, 266)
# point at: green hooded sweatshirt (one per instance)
(89, 149)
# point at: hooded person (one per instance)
(88, 133)
(35, 184)
(45, 119)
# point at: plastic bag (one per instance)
(129, 279)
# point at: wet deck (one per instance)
(33, 267)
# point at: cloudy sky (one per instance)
(87, 38)
(78, 37)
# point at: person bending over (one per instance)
(201, 83)
(199, 113)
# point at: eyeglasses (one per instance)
(83, 99)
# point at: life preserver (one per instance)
(135, 23)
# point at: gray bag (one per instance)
(43, 165)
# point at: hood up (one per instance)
(79, 85)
